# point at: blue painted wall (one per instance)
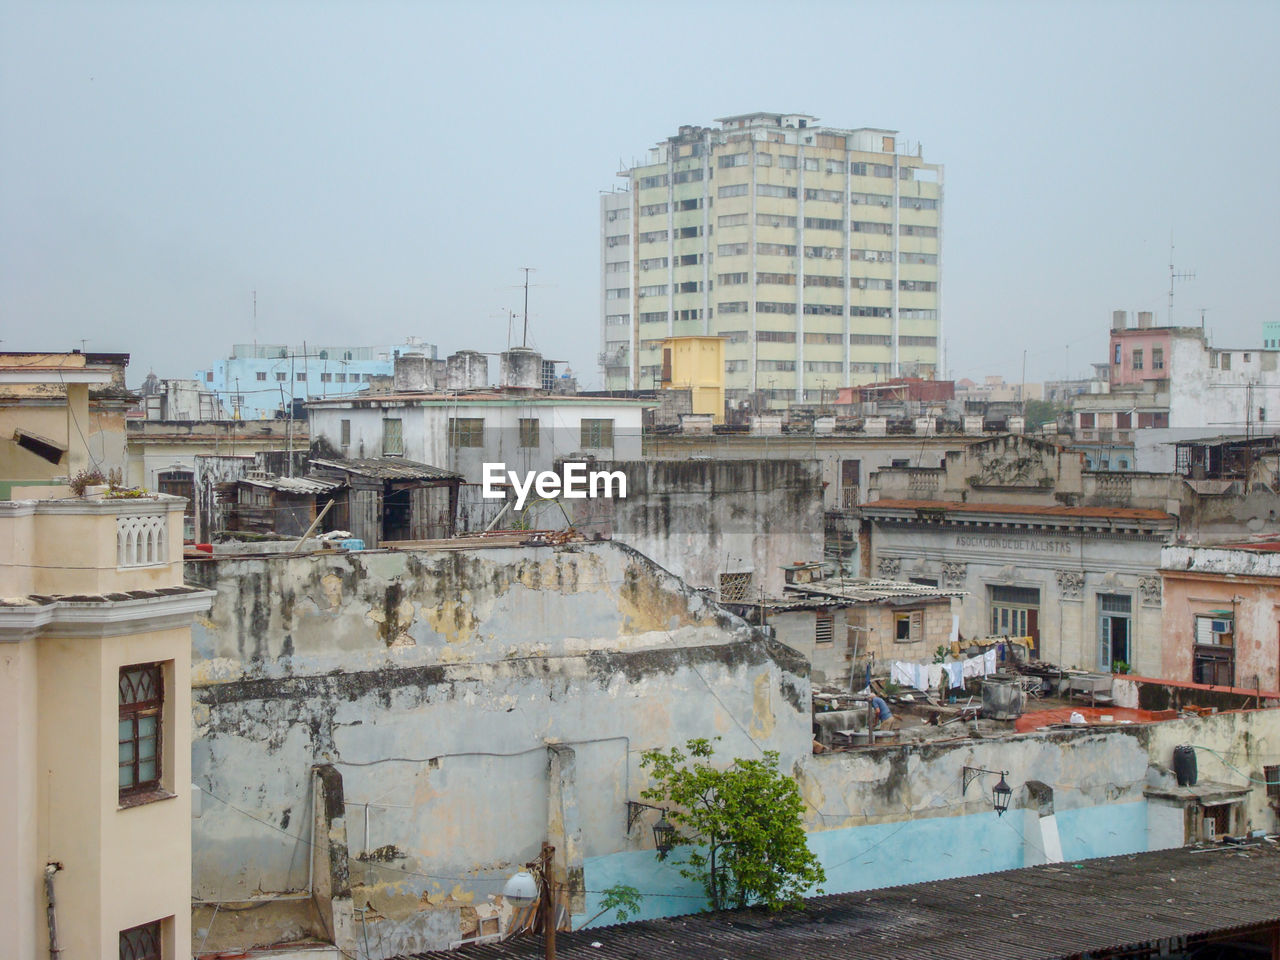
(887, 854)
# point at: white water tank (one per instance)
(467, 370)
(521, 369)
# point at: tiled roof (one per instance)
(1036, 913)
(1020, 509)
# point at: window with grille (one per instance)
(597, 434)
(346, 433)
(529, 433)
(1272, 776)
(466, 432)
(392, 437)
(141, 943)
(735, 586)
(141, 700)
(824, 630)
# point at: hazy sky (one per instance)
(376, 170)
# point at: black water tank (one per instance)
(1184, 765)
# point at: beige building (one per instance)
(815, 251)
(60, 412)
(95, 713)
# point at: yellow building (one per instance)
(95, 714)
(814, 251)
(60, 412)
(696, 364)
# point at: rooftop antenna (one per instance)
(524, 341)
(1175, 275)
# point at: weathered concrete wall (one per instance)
(704, 518)
(439, 684)
(892, 814)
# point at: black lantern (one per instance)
(663, 836)
(1001, 793)
(664, 833)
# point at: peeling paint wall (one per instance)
(704, 518)
(893, 814)
(437, 683)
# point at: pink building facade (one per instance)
(1222, 615)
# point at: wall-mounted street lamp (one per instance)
(1001, 793)
(663, 832)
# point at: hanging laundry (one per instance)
(955, 673)
(903, 674)
(934, 676)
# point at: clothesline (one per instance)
(928, 676)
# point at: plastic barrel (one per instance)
(1184, 765)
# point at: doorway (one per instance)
(1114, 633)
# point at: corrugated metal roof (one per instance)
(1037, 913)
(1022, 509)
(296, 485)
(865, 590)
(387, 468)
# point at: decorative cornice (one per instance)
(94, 618)
(151, 504)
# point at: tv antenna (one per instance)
(524, 340)
(1176, 275)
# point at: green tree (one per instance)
(741, 826)
(1040, 412)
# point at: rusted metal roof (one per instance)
(1037, 913)
(1020, 509)
(387, 468)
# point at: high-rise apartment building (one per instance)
(814, 251)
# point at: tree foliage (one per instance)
(1040, 412)
(622, 899)
(740, 827)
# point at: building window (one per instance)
(342, 377)
(529, 433)
(261, 375)
(1272, 776)
(1113, 631)
(824, 630)
(735, 587)
(466, 432)
(281, 376)
(1137, 359)
(1157, 358)
(346, 433)
(392, 437)
(141, 698)
(326, 377)
(300, 377)
(1214, 654)
(909, 626)
(1015, 611)
(141, 943)
(596, 434)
